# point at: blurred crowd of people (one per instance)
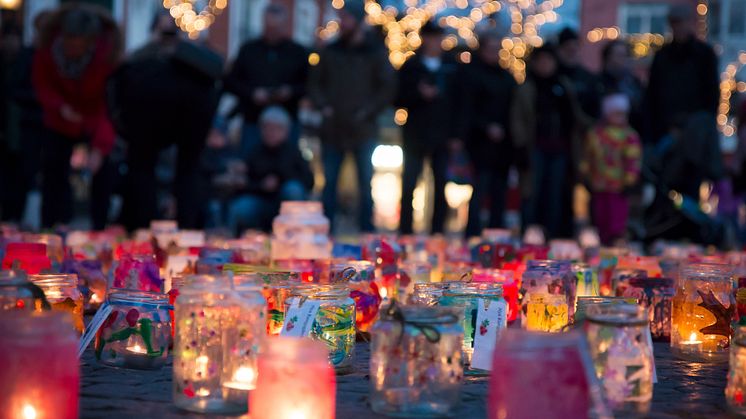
(563, 126)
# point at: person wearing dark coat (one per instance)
(268, 71)
(275, 172)
(165, 94)
(683, 77)
(351, 85)
(617, 77)
(428, 90)
(489, 94)
(587, 85)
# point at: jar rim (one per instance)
(35, 323)
(617, 315)
(421, 314)
(708, 270)
(50, 280)
(136, 297)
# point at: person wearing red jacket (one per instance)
(79, 49)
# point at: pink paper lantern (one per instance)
(40, 377)
(295, 381)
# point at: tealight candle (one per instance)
(40, 376)
(237, 390)
(295, 381)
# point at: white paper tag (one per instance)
(101, 315)
(299, 318)
(649, 338)
(490, 320)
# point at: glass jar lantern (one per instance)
(540, 375)
(295, 381)
(506, 279)
(622, 356)
(360, 277)
(276, 287)
(656, 295)
(40, 376)
(62, 293)
(548, 296)
(620, 279)
(415, 362)
(300, 232)
(16, 292)
(218, 332)
(466, 298)
(702, 311)
(334, 323)
(137, 332)
(411, 273)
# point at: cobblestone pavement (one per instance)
(684, 390)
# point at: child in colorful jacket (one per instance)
(611, 166)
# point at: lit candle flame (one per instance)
(297, 414)
(693, 337)
(244, 375)
(383, 292)
(137, 349)
(28, 412)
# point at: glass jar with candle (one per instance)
(40, 376)
(622, 356)
(334, 323)
(509, 284)
(735, 391)
(217, 333)
(295, 381)
(587, 280)
(620, 279)
(137, 332)
(538, 375)
(548, 295)
(276, 287)
(415, 362)
(63, 295)
(360, 277)
(457, 271)
(702, 310)
(301, 231)
(656, 295)
(473, 300)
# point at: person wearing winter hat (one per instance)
(611, 167)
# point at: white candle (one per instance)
(692, 345)
(237, 390)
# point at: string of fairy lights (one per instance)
(464, 18)
(191, 20)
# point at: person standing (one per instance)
(617, 77)
(428, 90)
(611, 166)
(268, 71)
(165, 94)
(490, 90)
(352, 83)
(683, 77)
(544, 118)
(79, 49)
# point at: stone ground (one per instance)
(684, 390)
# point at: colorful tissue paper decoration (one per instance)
(138, 272)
